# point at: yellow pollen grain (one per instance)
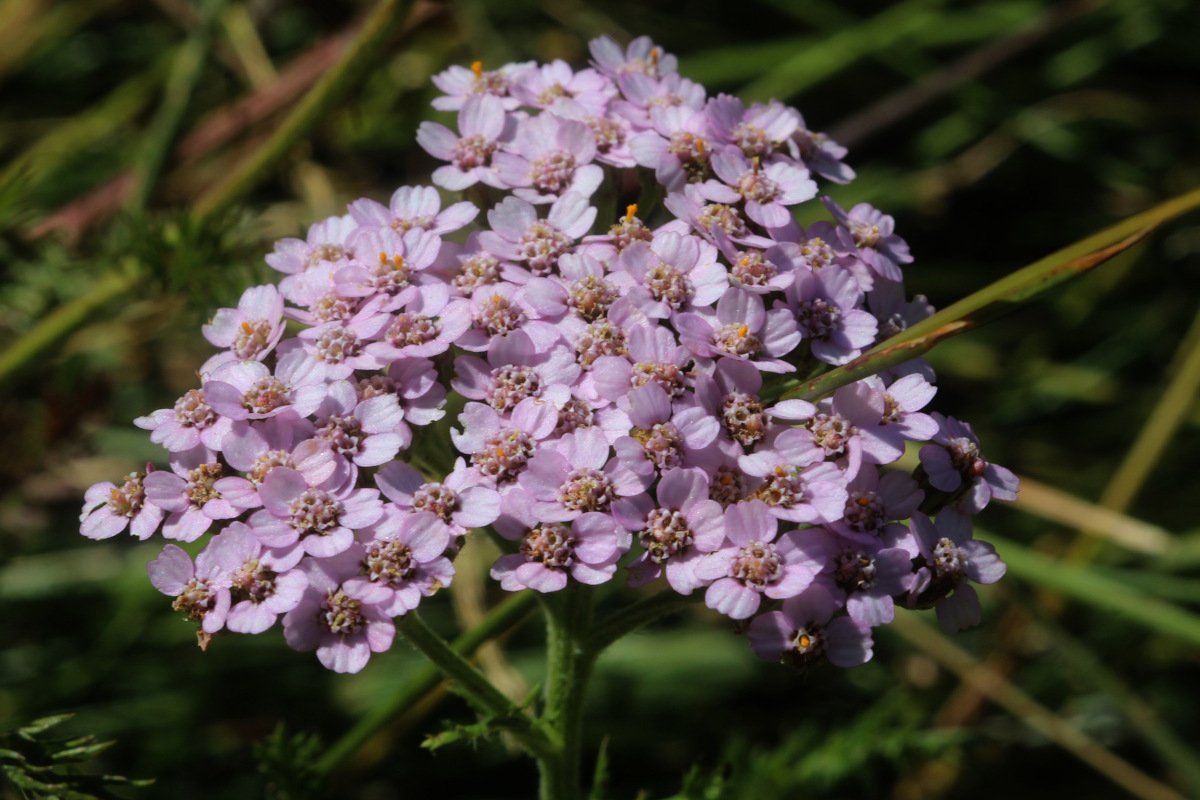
(742, 331)
(497, 299)
(805, 641)
(864, 501)
(115, 494)
(383, 259)
(477, 68)
(499, 452)
(398, 262)
(247, 328)
(699, 145)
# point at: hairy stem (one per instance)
(474, 686)
(568, 668)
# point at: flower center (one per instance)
(266, 395)
(315, 512)
(388, 562)
(344, 434)
(268, 461)
(806, 645)
(586, 490)
(666, 534)
(254, 582)
(199, 488)
(662, 443)
(669, 376)
(831, 432)
(325, 252)
(628, 230)
(750, 268)
(552, 93)
(541, 246)
(756, 565)
(864, 512)
(550, 544)
(609, 135)
(477, 270)
(728, 486)
(964, 455)
(784, 488)
(330, 307)
(504, 455)
(818, 317)
(669, 285)
(724, 217)
(336, 345)
(340, 614)
(193, 411)
(736, 340)
(195, 599)
(374, 386)
(473, 151)
(574, 414)
(949, 561)
(510, 385)
(751, 139)
(817, 253)
(498, 316)
(252, 338)
(127, 499)
(412, 329)
(551, 174)
(855, 571)
(590, 297)
(390, 274)
(600, 338)
(757, 187)
(743, 418)
(437, 499)
(692, 152)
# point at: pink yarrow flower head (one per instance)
(549, 157)
(241, 390)
(758, 131)
(413, 207)
(262, 583)
(805, 631)
(109, 509)
(873, 233)
(577, 475)
(500, 449)
(550, 553)
(192, 492)
(343, 622)
(201, 590)
(676, 528)
(320, 521)
(457, 500)
(545, 85)
(461, 83)
(767, 189)
(826, 304)
(518, 235)
(753, 564)
(401, 561)
(671, 273)
(483, 127)
(387, 263)
(949, 559)
(742, 328)
(662, 436)
(190, 423)
(251, 330)
(954, 464)
(640, 57)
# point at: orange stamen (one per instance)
(742, 331)
(383, 259)
(247, 328)
(630, 212)
(699, 146)
(477, 68)
(654, 53)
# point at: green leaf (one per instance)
(1006, 294)
(39, 726)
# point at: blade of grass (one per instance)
(181, 81)
(1004, 295)
(1033, 714)
(370, 43)
(1087, 586)
(1058, 506)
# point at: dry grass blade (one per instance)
(1037, 717)
(1058, 506)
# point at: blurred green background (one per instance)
(994, 132)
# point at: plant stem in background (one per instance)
(370, 44)
(499, 621)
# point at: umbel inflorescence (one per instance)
(622, 415)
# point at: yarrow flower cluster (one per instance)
(621, 387)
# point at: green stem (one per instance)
(474, 686)
(634, 616)
(568, 668)
(362, 53)
(500, 620)
(185, 73)
(66, 318)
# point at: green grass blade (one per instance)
(1004, 295)
(1088, 586)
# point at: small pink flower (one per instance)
(320, 521)
(108, 509)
